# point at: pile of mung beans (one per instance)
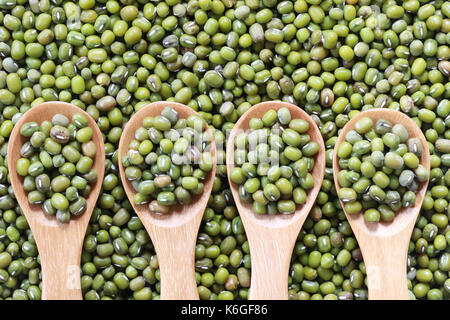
(56, 164)
(334, 58)
(168, 160)
(380, 169)
(274, 159)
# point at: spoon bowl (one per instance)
(174, 234)
(384, 245)
(59, 244)
(272, 237)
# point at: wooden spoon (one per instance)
(384, 245)
(272, 238)
(174, 235)
(59, 244)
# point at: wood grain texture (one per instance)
(384, 246)
(59, 244)
(272, 238)
(174, 235)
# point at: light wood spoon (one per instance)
(174, 234)
(384, 245)
(272, 238)
(59, 244)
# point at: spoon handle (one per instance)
(271, 251)
(60, 255)
(175, 249)
(385, 261)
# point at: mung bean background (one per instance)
(333, 58)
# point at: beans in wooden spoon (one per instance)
(384, 245)
(173, 227)
(272, 237)
(59, 244)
